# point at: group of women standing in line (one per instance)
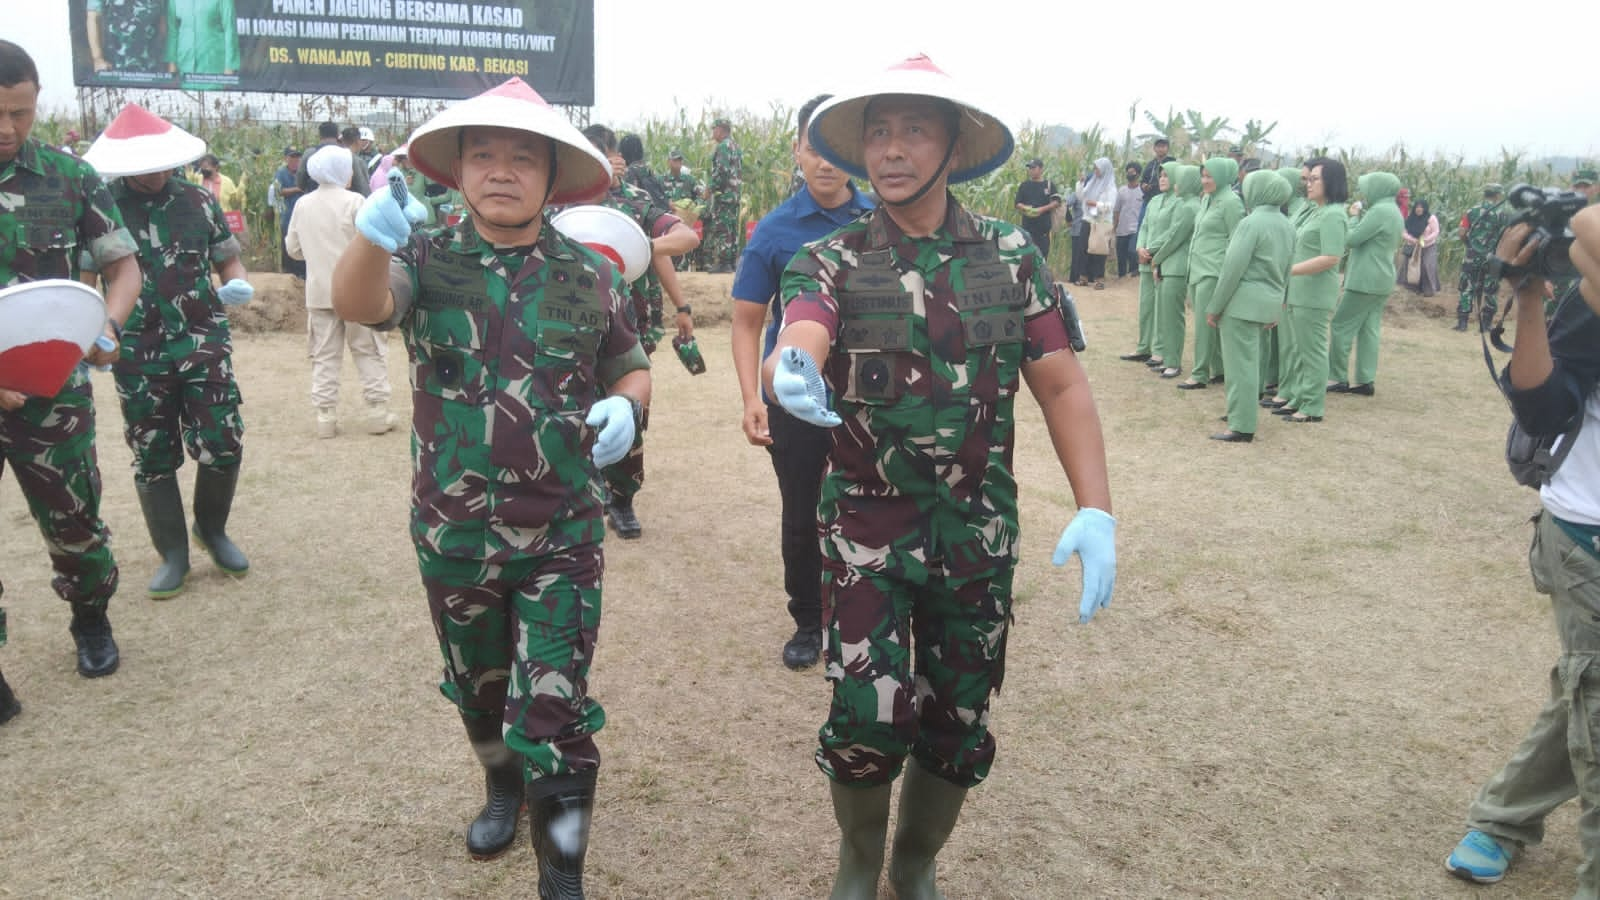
(1261, 270)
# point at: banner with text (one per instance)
(390, 48)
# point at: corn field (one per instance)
(251, 153)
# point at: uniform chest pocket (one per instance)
(191, 256)
(447, 354)
(563, 366)
(54, 248)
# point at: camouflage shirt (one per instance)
(1484, 223)
(727, 165)
(928, 339)
(509, 349)
(132, 36)
(636, 204)
(681, 186)
(178, 321)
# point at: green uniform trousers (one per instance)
(1358, 320)
(1240, 350)
(1269, 357)
(1147, 311)
(48, 443)
(517, 642)
(1304, 379)
(1557, 760)
(1207, 349)
(1170, 319)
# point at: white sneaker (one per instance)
(327, 422)
(379, 419)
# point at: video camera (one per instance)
(1550, 212)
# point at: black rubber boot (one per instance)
(929, 807)
(9, 707)
(493, 832)
(622, 518)
(561, 807)
(1461, 321)
(97, 649)
(863, 817)
(162, 502)
(213, 500)
(803, 650)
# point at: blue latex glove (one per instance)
(798, 388)
(386, 217)
(236, 292)
(614, 417)
(1092, 534)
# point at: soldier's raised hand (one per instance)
(236, 292)
(613, 416)
(386, 217)
(1092, 534)
(797, 386)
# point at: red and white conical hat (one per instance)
(582, 173)
(983, 145)
(45, 329)
(138, 142)
(610, 233)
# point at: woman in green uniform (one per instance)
(1248, 296)
(1154, 219)
(1220, 212)
(1373, 237)
(1313, 292)
(1170, 259)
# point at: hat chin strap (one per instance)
(926, 185)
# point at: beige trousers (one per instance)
(327, 335)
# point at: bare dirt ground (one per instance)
(1320, 645)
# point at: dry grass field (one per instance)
(1320, 644)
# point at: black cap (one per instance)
(1036, 163)
(1236, 149)
(291, 151)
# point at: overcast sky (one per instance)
(1360, 74)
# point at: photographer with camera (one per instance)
(1553, 382)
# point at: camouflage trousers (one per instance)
(913, 661)
(722, 230)
(517, 642)
(1477, 282)
(194, 410)
(648, 319)
(49, 445)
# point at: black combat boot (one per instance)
(804, 649)
(561, 807)
(1461, 321)
(213, 500)
(162, 502)
(620, 511)
(97, 649)
(9, 707)
(492, 833)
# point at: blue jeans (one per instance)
(1127, 254)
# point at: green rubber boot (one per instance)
(863, 815)
(213, 500)
(929, 807)
(162, 502)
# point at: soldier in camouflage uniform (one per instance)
(127, 35)
(1480, 230)
(922, 317)
(684, 194)
(723, 184)
(54, 208)
(527, 378)
(175, 374)
(668, 237)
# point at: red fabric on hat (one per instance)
(136, 121)
(517, 89)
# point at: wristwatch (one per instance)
(685, 310)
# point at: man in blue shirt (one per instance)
(799, 450)
(289, 191)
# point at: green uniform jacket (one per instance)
(1220, 212)
(1374, 236)
(1170, 252)
(1321, 234)
(1255, 268)
(1155, 221)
